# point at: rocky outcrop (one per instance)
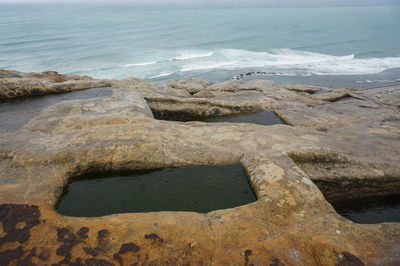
(345, 147)
(17, 85)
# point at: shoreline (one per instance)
(18, 85)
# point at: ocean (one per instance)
(333, 47)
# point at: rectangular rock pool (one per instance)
(194, 188)
(265, 118)
(370, 210)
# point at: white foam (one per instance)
(162, 75)
(285, 62)
(182, 55)
(186, 55)
(290, 61)
(140, 64)
(378, 81)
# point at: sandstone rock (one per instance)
(11, 74)
(292, 223)
(332, 95)
(303, 88)
(55, 77)
(17, 85)
(192, 85)
(204, 94)
(230, 85)
(387, 95)
(256, 85)
(211, 94)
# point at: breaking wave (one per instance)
(161, 75)
(293, 62)
(279, 62)
(183, 55)
(140, 64)
(191, 55)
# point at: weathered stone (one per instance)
(17, 85)
(192, 85)
(332, 95)
(303, 88)
(335, 144)
(204, 94)
(256, 85)
(389, 95)
(230, 85)
(211, 94)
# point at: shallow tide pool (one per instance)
(194, 188)
(370, 210)
(15, 113)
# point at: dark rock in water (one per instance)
(240, 76)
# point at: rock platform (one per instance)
(335, 144)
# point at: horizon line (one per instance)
(184, 6)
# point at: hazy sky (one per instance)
(219, 3)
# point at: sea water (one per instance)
(335, 47)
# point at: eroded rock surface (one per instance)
(348, 148)
(17, 85)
